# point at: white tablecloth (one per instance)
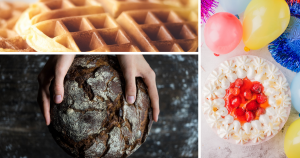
(213, 146)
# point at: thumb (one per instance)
(58, 87)
(130, 88)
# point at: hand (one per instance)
(136, 66)
(55, 69)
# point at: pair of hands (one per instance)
(132, 66)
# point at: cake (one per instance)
(246, 100)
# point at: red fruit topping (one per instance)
(249, 116)
(236, 101)
(248, 94)
(252, 106)
(240, 112)
(238, 82)
(260, 111)
(232, 85)
(261, 98)
(235, 91)
(256, 88)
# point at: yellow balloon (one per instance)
(292, 140)
(264, 21)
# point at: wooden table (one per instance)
(23, 132)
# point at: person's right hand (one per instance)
(55, 69)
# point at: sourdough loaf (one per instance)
(94, 119)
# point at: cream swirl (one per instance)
(215, 76)
(256, 124)
(225, 131)
(220, 102)
(228, 119)
(228, 66)
(258, 63)
(251, 73)
(271, 128)
(270, 111)
(242, 62)
(286, 100)
(231, 77)
(257, 135)
(241, 137)
(247, 127)
(215, 121)
(225, 83)
(281, 84)
(236, 126)
(264, 119)
(272, 72)
(272, 101)
(222, 111)
(209, 106)
(280, 115)
(209, 91)
(220, 93)
(241, 73)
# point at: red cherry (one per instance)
(248, 94)
(236, 101)
(235, 91)
(249, 116)
(260, 111)
(256, 88)
(232, 85)
(238, 82)
(261, 98)
(240, 112)
(252, 106)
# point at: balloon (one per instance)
(295, 90)
(234, 6)
(292, 140)
(264, 21)
(222, 33)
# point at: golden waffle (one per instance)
(162, 30)
(116, 7)
(72, 25)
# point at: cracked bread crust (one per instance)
(94, 119)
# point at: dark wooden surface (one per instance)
(23, 133)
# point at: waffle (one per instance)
(10, 41)
(116, 7)
(162, 30)
(72, 26)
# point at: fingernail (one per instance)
(57, 99)
(130, 99)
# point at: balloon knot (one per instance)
(246, 49)
(237, 16)
(216, 54)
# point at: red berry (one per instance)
(240, 112)
(252, 106)
(248, 94)
(238, 82)
(232, 85)
(249, 116)
(236, 101)
(260, 111)
(256, 88)
(261, 98)
(235, 91)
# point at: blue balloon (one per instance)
(295, 90)
(234, 6)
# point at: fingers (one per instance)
(130, 88)
(44, 100)
(149, 80)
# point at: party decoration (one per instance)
(295, 89)
(264, 21)
(292, 140)
(234, 6)
(286, 48)
(222, 33)
(207, 9)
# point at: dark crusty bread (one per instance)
(94, 119)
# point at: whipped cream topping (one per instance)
(264, 119)
(228, 66)
(209, 106)
(225, 83)
(271, 128)
(228, 119)
(219, 102)
(209, 91)
(231, 77)
(223, 112)
(257, 135)
(259, 63)
(280, 114)
(241, 137)
(270, 111)
(236, 126)
(242, 62)
(251, 73)
(271, 91)
(256, 124)
(272, 101)
(215, 121)
(225, 131)
(215, 76)
(286, 100)
(259, 76)
(241, 73)
(220, 93)
(272, 71)
(281, 84)
(247, 127)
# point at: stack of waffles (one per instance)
(110, 25)
(10, 41)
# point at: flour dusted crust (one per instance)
(94, 119)
(275, 87)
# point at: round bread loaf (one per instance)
(94, 119)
